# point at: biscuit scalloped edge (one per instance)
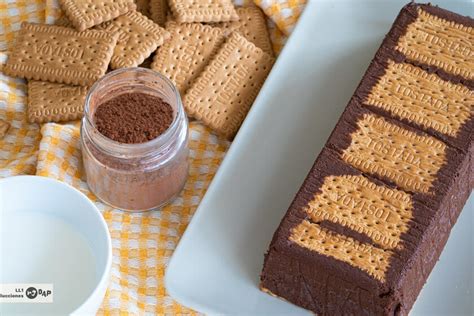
(235, 40)
(82, 21)
(184, 14)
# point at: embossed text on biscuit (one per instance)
(441, 43)
(379, 212)
(409, 159)
(425, 99)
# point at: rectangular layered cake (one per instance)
(373, 215)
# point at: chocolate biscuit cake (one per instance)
(374, 213)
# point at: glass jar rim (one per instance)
(158, 141)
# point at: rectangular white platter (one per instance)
(215, 268)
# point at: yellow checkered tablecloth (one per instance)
(142, 243)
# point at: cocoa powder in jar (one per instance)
(133, 118)
(128, 185)
(135, 141)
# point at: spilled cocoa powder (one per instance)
(133, 118)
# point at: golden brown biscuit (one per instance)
(224, 92)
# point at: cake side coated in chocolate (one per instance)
(422, 261)
(444, 200)
(290, 265)
(296, 263)
(290, 269)
(372, 217)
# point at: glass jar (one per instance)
(135, 177)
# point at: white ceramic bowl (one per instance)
(52, 233)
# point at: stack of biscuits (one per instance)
(217, 55)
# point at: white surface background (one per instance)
(216, 267)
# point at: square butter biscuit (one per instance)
(59, 54)
(224, 92)
(253, 25)
(440, 40)
(184, 56)
(138, 38)
(55, 102)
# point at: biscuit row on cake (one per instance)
(374, 213)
